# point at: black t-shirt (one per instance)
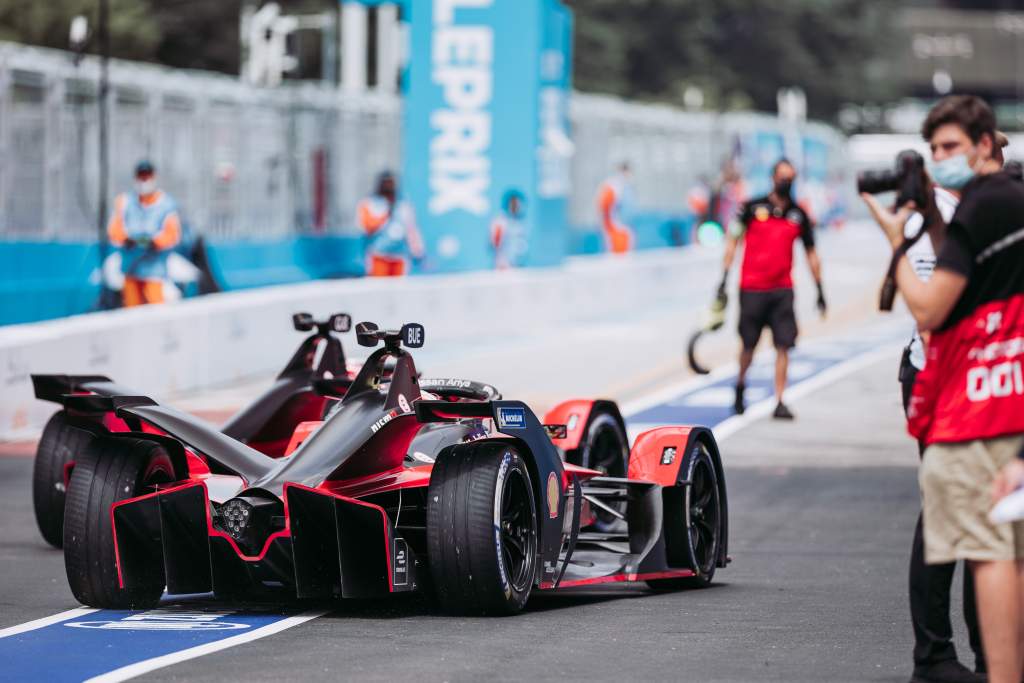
(985, 243)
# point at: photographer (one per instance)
(967, 405)
(934, 654)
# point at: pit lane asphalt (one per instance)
(822, 514)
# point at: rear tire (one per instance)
(59, 447)
(111, 470)
(481, 529)
(693, 530)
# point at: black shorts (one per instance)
(772, 308)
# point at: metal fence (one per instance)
(250, 162)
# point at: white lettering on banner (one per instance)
(463, 61)
(444, 10)
(999, 381)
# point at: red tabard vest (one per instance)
(972, 386)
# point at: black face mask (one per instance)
(784, 188)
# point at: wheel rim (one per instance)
(703, 514)
(518, 531)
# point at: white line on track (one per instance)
(833, 374)
(145, 666)
(46, 621)
(765, 407)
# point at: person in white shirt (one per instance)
(935, 657)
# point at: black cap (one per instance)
(144, 166)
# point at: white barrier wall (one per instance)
(166, 351)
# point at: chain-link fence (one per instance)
(243, 162)
(247, 162)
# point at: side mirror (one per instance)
(412, 335)
(366, 334)
(303, 322)
(341, 322)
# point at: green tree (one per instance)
(134, 31)
(739, 52)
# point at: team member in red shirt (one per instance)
(768, 227)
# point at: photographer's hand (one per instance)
(1009, 479)
(891, 223)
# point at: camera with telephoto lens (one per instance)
(911, 184)
(908, 180)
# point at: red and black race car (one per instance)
(451, 490)
(316, 374)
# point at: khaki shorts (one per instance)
(956, 481)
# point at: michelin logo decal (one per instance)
(511, 418)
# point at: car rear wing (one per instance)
(54, 387)
(93, 403)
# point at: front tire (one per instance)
(111, 470)
(481, 529)
(693, 529)
(59, 447)
(606, 449)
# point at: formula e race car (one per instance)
(451, 490)
(316, 374)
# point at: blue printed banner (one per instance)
(486, 99)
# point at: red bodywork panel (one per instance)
(645, 458)
(573, 414)
(393, 480)
(301, 433)
(211, 531)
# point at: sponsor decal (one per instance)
(165, 619)
(403, 403)
(552, 495)
(401, 562)
(512, 418)
(423, 457)
(761, 213)
(668, 455)
(795, 216)
(376, 426)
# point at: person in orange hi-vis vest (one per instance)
(613, 199)
(390, 227)
(145, 226)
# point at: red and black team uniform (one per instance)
(972, 386)
(766, 280)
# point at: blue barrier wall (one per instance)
(45, 280)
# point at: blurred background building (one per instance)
(269, 121)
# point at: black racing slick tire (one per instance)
(59, 447)
(481, 529)
(693, 525)
(606, 448)
(111, 470)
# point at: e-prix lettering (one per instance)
(511, 418)
(463, 61)
(997, 381)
